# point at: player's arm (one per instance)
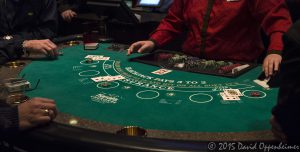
(67, 15)
(64, 5)
(35, 112)
(46, 29)
(274, 17)
(8, 118)
(44, 46)
(26, 115)
(67, 9)
(48, 23)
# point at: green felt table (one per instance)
(178, 102)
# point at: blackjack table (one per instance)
(178, 110)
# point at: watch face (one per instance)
(7, 37)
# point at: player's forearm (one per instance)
(39, 33)
(48, 22)
(12, 49)
(69, 5)
(8, 120)
(46, 29)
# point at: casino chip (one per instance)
(60, 53)
(89, 60)
(164, 56)
(73, 122)
(105, 84)
(126, 87)
(179, 65)
(228, 68)
(170, 94)
(254, 94)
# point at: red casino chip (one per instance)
(228, 68)
(254, 94)
(164, 56)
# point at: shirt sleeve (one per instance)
(47, 23)
(74, 5)
(44, 28)
(11, 49)
(171, 26)
(274, 17)
(9, 121)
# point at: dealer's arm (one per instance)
(275, 21)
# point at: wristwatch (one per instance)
(7, 37)
(26, 53)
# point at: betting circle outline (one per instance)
(137, 95)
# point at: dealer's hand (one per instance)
(35, 112)
(271, 64)
(276, 129)
(45, 46)
(141, 47)
(67, 15)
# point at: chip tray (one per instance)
(180, 61)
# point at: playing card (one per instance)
(161, 71)
(93, 56)
(103, 58)
(263, 83)
(225, 97)
(119, 77)
(233, 92)
(99, 79)
(97, 57)
(90, 46)
(114, 78)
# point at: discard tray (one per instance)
(180, 61)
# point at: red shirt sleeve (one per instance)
(274, 17)
(171, 26)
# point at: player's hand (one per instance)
(271, 64)
(67, 15)
(141, 47)
(276, 129)
(35, 112)
(46, 47)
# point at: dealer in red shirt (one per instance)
(224, 30)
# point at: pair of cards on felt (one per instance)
(97, 57)
(231, 94)
(120, 77)
(162, 71)
(108, 78)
